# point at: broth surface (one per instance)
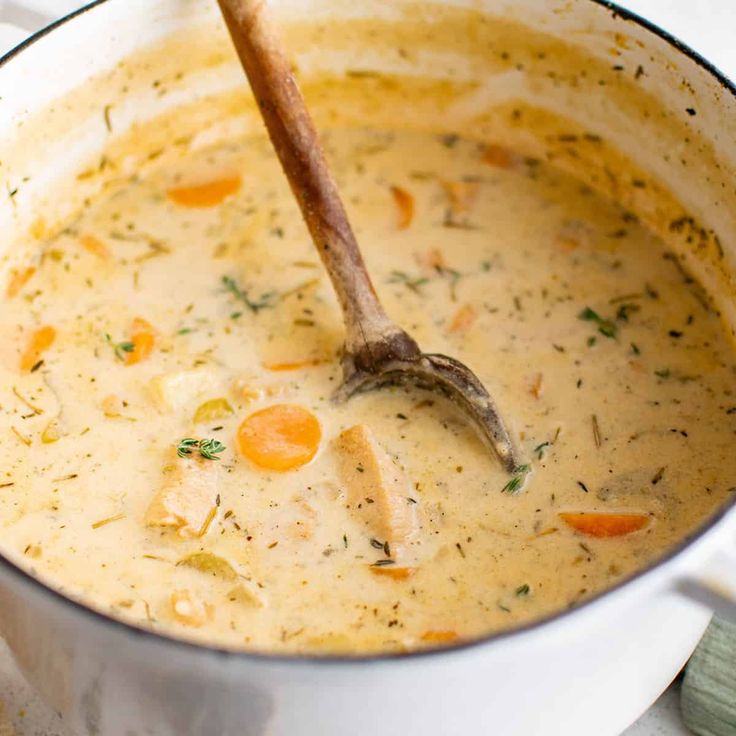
(189, 298)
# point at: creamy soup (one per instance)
(171, 454)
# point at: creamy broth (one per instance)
(189, 298)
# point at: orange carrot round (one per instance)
(280, 437)
(41, 340)
(143, 337)
(209, 194)
(604, 525)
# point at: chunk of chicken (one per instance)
(187, 499)
(378, 492)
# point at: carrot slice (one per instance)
(405, 203)
(143, 337)
(439, 635)
(94, 246)
(463, 319)
(605, 525)
(535, 386)
(503, 158)
(18, 279)
(393, 572)
(209, 194)
(280, 437)
(293, 366)
(461, 194)
(41, 340)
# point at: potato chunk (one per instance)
(187, 499)
(378, 492)
(178, 389)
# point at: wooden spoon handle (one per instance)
(295, 139)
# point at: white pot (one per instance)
(592, 670)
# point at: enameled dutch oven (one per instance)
(641, 107)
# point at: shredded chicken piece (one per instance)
(377, 490)
(187, 499)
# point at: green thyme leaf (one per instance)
(120, 348)
(413, 284)
(267, 300)
(605, 326)
(208, 449)
(539, 449)
(516, 483)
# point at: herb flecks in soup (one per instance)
(171, 453)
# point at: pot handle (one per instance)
(713, 585)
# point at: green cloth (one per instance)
(708, 699)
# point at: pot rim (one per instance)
(9, 568)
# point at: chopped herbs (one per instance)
(596, 430)
(539, 449)
(208, 449)
(412, 283)
(663, 373)
(121, 349)
(454, 277)
(267, 300)
(624, 310)
(517, 481)
(106, 116)
(658, 476)
(605, 326)
(522, 590)
(109, 520)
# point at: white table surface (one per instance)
(707, 26)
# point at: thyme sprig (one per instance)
(516, 483)
(267, 300)
(120, 348)
(208, 449)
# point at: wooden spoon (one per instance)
(377, 352)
